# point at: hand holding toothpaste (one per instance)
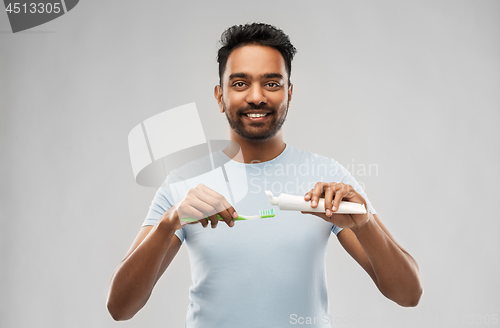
(333, 194)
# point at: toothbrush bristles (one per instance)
(267, 213)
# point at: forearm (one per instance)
(133, 280)
(396, 272)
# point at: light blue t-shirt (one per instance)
(260, 273)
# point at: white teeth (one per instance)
(256, 115)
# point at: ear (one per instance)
(290, 91)
(218, 97)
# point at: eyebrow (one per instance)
(263, 76)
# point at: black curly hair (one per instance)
(255, 33)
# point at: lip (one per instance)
(256, 119)
(256, 112)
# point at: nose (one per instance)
(256, 95)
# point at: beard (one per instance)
(256, 132)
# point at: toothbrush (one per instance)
(297, 203)
(262, 215)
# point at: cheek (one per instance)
(281, 102)
(280, 98)
(232, 100)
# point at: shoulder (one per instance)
(194, 168)
(309, 156)
(318, 162)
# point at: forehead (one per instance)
(255, 60)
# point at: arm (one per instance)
(366, 239)
(155, 247)
(134, 278)
(393, 270)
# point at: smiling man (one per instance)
(255, 120)
(268, 272)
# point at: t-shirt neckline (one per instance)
(271, 161)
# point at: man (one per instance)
(268, 272)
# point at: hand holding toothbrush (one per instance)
(334, 193)
(199, 204)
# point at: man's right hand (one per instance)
(155, 246)
(200, 203)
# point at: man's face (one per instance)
(255, 93)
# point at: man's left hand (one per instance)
(333, 193)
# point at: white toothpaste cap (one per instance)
(273, 200)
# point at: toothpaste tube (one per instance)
(297, 203)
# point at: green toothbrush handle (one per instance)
(218, 216)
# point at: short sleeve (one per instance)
(160, 204)
(336, 229)
(181, 233)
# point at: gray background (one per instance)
(411, 87)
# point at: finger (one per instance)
(228, 216)
(329, 192)
(204, 201)
(202, 207)
(340, 191)
(220, 204)
(204, 222)
(316, 194)
(352, 195)
(192, 212)
(308, 195)
(214, 220)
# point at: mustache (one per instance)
(240, 111)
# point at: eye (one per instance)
(239, 84)
(273, 85)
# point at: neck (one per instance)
(255, 151)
